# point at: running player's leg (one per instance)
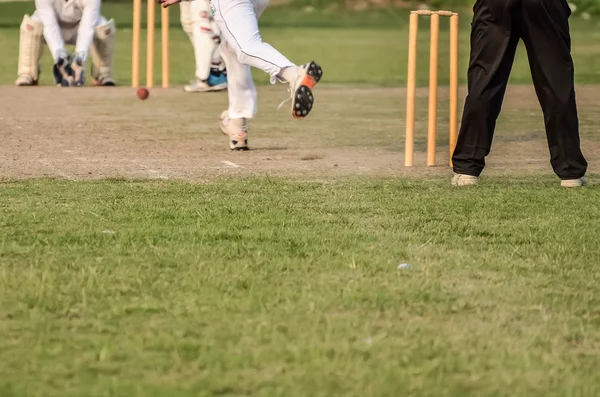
(242, 99)
(238, 21)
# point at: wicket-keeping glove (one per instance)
(77, 67)
(63, 74)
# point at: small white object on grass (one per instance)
(403, 266)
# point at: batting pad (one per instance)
(103, 50)
(30, 47)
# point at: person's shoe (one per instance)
(464, 180)
(301, 89)
(25, 81)
(236, 130)
(579, 182)
(216, 81)
(104, 82)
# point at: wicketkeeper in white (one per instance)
(60, 22)
(241, 48)
(198, 23)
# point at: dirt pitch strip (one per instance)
(93, 133)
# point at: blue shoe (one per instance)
(216, 81)
(216, 78)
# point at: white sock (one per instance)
(289, 74)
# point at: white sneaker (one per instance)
(574, 182)
(236, 130)
(301, 89)
(464, 180)
(25, 80)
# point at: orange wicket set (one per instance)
(433, 84)
(135, 52)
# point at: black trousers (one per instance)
(497, 27)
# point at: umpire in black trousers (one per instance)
(497, 27)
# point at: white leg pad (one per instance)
(186, 19)
(30, 48)
(103, 51)
(203, 38)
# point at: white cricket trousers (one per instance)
(241, 48)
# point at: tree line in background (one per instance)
(577, 6)
(581, 7)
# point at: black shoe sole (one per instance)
(303, 97)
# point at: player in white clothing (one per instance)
(60, 22)
(241, 48)
(210, 73)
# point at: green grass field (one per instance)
(269, 287)
(263, 280)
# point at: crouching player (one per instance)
(60, 22)
(205, 37)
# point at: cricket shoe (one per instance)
(25, 81)
(301, 89)
(579, 182)
(464, 180)
(216, 81)
(104, 82)
(236, 130)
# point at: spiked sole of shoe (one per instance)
(303, 100)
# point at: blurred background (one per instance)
(356, 41)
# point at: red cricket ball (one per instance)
(143, 93)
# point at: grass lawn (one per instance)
(272, 287)
(281, 282)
